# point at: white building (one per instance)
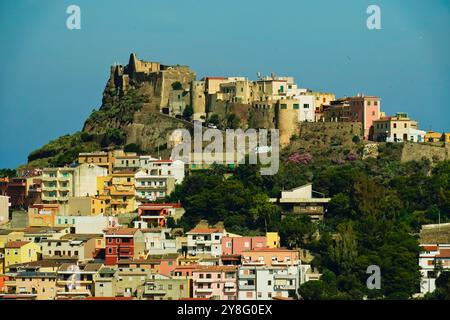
(416, 135)
(306, 112)
(151, 187)
(171, 168)
(432, 255)
(157, 241)
(87, 224)
(266, 283)
(205, 241)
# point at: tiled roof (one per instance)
(121, 231)
(443, 253)
(16, 244)
(217, 269)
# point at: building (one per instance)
(86, 206)
(216, 282)
(130, 282)
(156, 214)
(129, 161)
(118, 191)
(360, 108)
(87, 224)
(273, 239)
(205, 240)
(161, 167)
(4, 209)
(71, 246)
(20, 252)
(100, 158)
(300, 201)
(159, 241)
(76, 280)
(152, 187)
(432, 136)
(58, 184)
(267, 283)
(271, 257)
(396, 129)
(17, 192)
(167, 288)
(432, 256)
(235, 245)
(123, 244)
(42, 215)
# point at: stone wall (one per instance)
(416, 151)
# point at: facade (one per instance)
(76, 280)
(58, 184)
(158, 241)
(204, 240)
(360, 108)
(396, 129)
(156, 214)
(300, 201)
(267, 283)
(73, 246)
(4, 209)
(216, 282)
(235, 245)
(158, 167)
(123, 244)
(17, 192)
(432, 136)
(278, 257)
(167, 288)
(432, 256)
(86, 206)
(99, 158)
(87, 224)
(151, 187)
(42, 215)
(20, 252)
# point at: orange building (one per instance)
(42, 215)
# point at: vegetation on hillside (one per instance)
(376, 209)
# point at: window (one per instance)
(406, 125)
(306, 106)
(296, 106)
(395, 125)
(283, 106)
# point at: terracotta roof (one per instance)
(16, 244)
(217, 269)
(443, 253)
(429, 248)
(121, 231)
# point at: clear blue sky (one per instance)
(52, 77)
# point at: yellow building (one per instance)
(86, 206)
(273, 239)
(432, 136)
(100, 158)
(42, 215)
(118, 192)
(21, 252)
(446, 137)
(5, 237)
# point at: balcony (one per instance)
(62, 178)
(282, 287)
(204, 280)
(49, 198)
(253, 263)
(203, 290)
(230, 284)
(247, 276)
(247, 287)
(230, 290)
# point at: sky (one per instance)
(52, 77)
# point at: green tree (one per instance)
(188, 112)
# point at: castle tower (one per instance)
(286, 120)
(198, 99)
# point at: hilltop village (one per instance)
(107, 214)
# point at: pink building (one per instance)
(235, 245)
(361, 108)
(215, 282)
(167, 265)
